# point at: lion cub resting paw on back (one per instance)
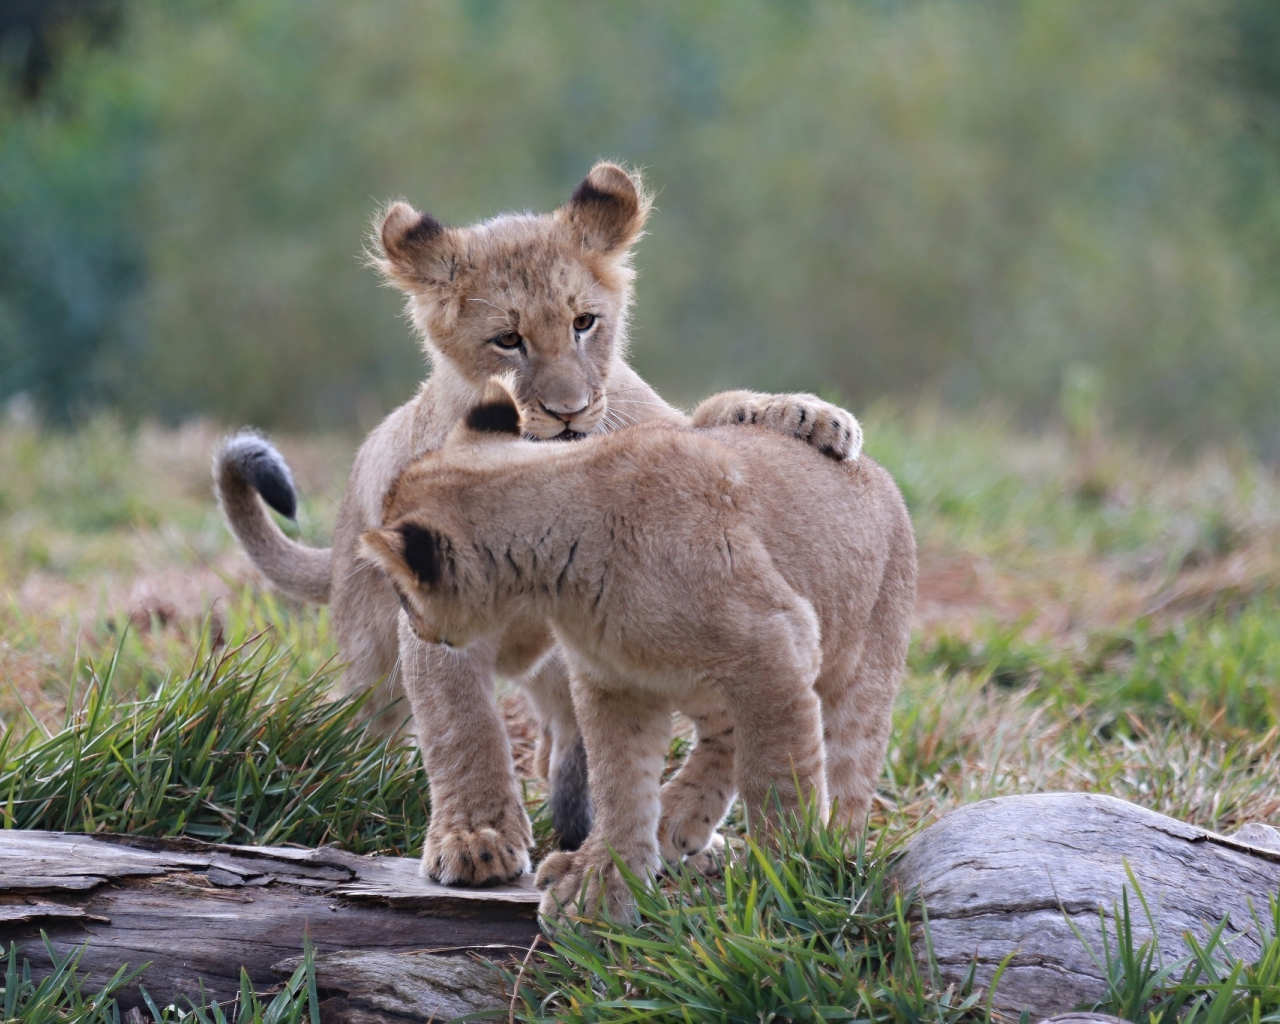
(733, 574)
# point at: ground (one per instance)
(1055, 572)
(1094, 613)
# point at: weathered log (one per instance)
(1005, 876)
(390, 988)
(198, 912)
(996, 878)
(1084, 1018)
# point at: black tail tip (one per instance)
(571, 810)
(264, 469)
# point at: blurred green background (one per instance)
(964, 201)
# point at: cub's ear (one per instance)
(412, 555)
(495, 416)
(608, 209)
(414, 249)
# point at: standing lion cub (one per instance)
(544, 298)
(732, 574)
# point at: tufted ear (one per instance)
(495, 417)
(412, 248)
(608, 209)
(413, 556)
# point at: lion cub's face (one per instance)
(542, 299)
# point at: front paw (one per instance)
(709, 861)
(832, 430)
(482, 856)
(684, 832)
(585, 884)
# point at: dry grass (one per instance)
(106, 531)
(1042, 559)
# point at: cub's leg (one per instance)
(776, 714)
(479, 831)
(566, 756)
(827, 427)
(696, 800)
(779, 743)
(365, 610)
(626, 736)
(858, 692)
(857, 712)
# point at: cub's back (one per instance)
(830, 527)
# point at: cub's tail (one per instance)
(246, 467)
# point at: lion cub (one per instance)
(733, 574)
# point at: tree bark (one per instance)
(1005, 876)
(198, 912)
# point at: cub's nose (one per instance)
(564, 411)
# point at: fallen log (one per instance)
(198, 912)
(1084, 1018)
(995, 878)
(1005, 876)
(390, 988)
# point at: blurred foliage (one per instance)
(1219, 672)
(968, 200)
(29, 31)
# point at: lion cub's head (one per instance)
(543, 298)
(430, 541)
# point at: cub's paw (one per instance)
(682, 835)
(708, 861)
(584, 884)
(830, 429)
(484, 856)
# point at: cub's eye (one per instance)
(507, 339)
(584, 322)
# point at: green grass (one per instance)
(806, 932)
(813, 932)
(1220, 670)
(59, 997)
(108, 533)
(1208, 985)
(237, 750)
